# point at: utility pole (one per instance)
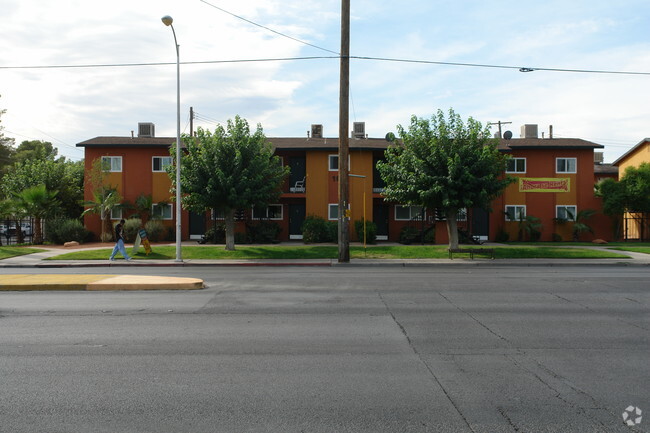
(191, 121)
(344, 114)
(499, 123)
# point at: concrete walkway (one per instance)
(139, 282)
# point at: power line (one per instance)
(269, 29)
(286, 59)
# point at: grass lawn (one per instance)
(645, 250)
(7, 252)
(331, 252)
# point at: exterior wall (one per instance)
(632, 226)
(137, 177)
(638, 155)
(541, 163)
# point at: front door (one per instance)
(197, 225)
(480, 223)
(297, 215)
(380, 218)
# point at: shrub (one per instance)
(60, 231)
(408, 234)
(315, 229)
(371, 231)
(155, 230)
(556, 237)
(216, 235)
(502, 236)
(131, 228)
(263, 232)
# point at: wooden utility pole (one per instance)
(191, 121)
(499, 123)
(344, 114)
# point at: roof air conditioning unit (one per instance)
(599, 157)
(317, 131)
(529, 131)
(359, 129)
(146, 130)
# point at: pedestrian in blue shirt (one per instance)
(119, 242)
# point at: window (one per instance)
(160, 163)
(565, 165)
(217, 214)
(116, 213)
(112, 163)
(333, 163)
(408, 213)
(272, 212)
(516, 165)
(567, 213)
(163, 211)
(460, 216)
(333, 212)
(515, 213)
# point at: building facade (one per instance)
(555, 181)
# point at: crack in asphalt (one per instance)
(431, 373)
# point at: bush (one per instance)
(216, 235)
(155, 230)
(315, 229)
(60, 231)
(131, 228)
(556, 237)
(263, 232)
(502, 236)
(371, 231)
(408, 234)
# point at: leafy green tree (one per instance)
(105, 198)
(35, 150)
(39, 203)
(227, 170)
(445, 164)
(63, 176)
(530, 226)
(6, 148)
(580, 222)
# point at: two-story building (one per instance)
(555, 180)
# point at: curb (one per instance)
(58, 282)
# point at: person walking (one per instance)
(119, 242)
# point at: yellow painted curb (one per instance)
(26, 282)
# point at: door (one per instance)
(297, 215)
(298, 168)
(197, 225)
(480, 223)
(380, 218)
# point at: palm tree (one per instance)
(579, 225)
(103, 202)
(39, 203)
(529, 225)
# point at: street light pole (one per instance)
(167, 20)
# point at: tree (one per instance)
(444, 164)
(6, 148)
(63, 176)
(35, 150)
(630, 194)
(579, 222)
(105, 198)
(39, 203)
(227, 170)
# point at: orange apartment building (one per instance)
(553, 175)
(636, 226)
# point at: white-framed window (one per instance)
(333, 162)
(220, 215)
(567, 213)
(116, 213)
(162, 211)
(272, 212)
(112, 163)
(408, 213)
(516, 165)
(333, 211)
(566, 165)
(515, 212)
(160, 163)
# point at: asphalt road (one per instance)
(512, 349)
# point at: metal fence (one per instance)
(9, 234)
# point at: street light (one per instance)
(167, 20)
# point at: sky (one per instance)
(50, 93)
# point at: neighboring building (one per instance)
(636, 226)
(556, 179)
